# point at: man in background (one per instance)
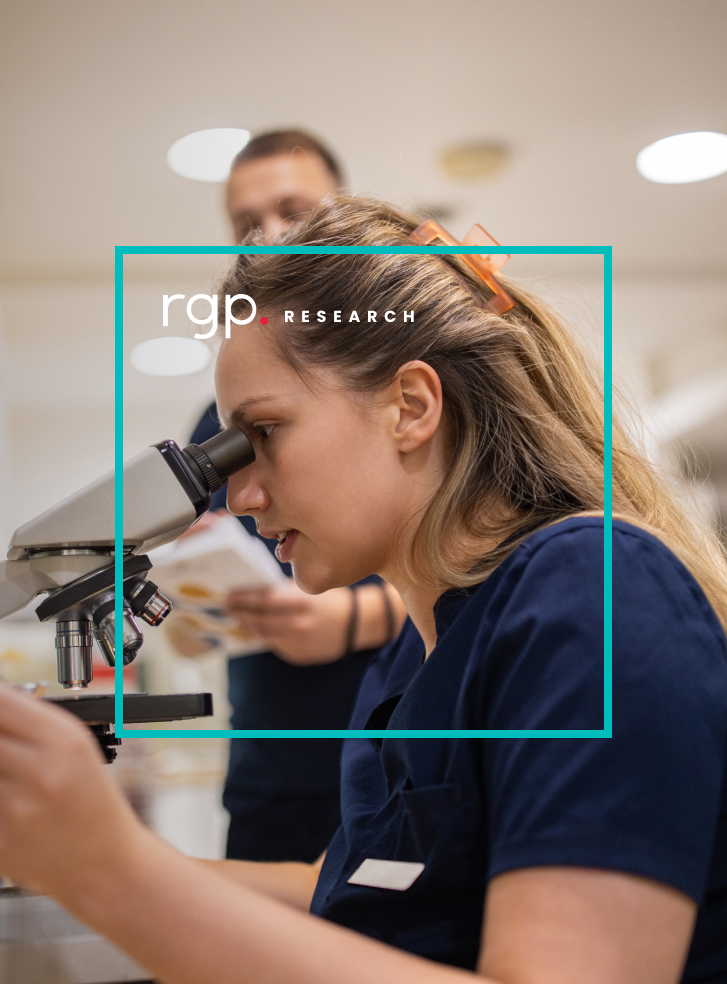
(283, 793)
(277, 179)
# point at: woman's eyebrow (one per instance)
(240, 412)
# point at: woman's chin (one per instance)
(308, 579)
(313, 580)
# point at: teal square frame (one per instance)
(606, 732)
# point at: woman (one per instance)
(459, 455)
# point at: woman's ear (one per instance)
(417, 399)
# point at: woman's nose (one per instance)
(245, 493)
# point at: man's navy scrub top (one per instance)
(525, 650)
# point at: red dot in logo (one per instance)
(263, 321)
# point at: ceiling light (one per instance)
(207, 154)
(684, 157)
(474, 161)
(170, 356)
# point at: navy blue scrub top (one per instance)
(525, 650)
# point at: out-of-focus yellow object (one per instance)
(15, 656)
(194, 591)
(474, 161)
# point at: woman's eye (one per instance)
(264, 430)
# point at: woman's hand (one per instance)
(62, 819)
(307, 629)
(299, 628)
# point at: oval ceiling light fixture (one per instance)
(170, 356)
(207, 154)
(683, 158)
(474, 161)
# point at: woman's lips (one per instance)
(285, 547)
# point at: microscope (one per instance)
(68, 553)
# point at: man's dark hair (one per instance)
(287, 142)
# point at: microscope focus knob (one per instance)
(209, 472)
(221, 456)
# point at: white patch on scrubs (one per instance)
(397, 875)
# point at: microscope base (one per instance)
(40, 943)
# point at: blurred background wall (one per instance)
(525, 117)
(565, 94)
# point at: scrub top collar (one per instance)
(446, 609)
(448, 606)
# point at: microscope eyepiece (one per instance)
(221, 456)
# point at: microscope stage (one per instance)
(138, 708)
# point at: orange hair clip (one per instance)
(485, 265)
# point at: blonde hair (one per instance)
(523, 403)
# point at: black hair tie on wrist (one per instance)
(352, 622)
(389, 613)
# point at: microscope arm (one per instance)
(19, 584)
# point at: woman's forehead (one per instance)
(250, 373)
(247, 355)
